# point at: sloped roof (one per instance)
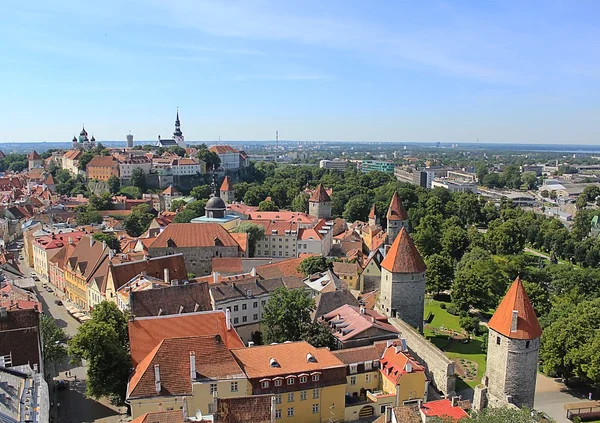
(222, 149)
(443, 408)
(250, 409)
(325, 302)
(359, 354)
(373, 212)
(171, 416)
(154, 267)
(145, 333)
(320, 195)
(102, 161)
(394, 361)
(73, 154)
(171, 191)
(194, 235)
(188, 298)
(516, 299)
(20, 336)
(34, 156)
(403, 256)
(227, 185)
(352, 322)
(172, 355)
(281, 269)
(396, 211)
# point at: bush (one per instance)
(452, 310)
(443, 306)
(469, 324)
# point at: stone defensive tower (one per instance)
(319, 204)
(402, 292)
(513, 350)
(397, 218)
(226, 190)
(373, 218)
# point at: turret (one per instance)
(397, 218)
(319, 204)
(226, 190)
(373, 218)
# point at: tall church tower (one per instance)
(373, 218)
(397, 218)
(513, 350)
(227, 190)
(402, 291)
(178, 135)
(319, 204)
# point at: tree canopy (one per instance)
(55, 340)
(255, 233)
(313, 264)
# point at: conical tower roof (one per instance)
(516, 299)
(373, 212)
(34, 156)
(396, 210)
(320, 195)
(403, 256)
(227, 185)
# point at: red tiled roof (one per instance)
(291, 358)
(352, 322)
(396, 210)
(250, 409)
(154, 267)
(320, 195)
(516, 299)
(213, 360)
(171, 416)
(443, 408)
(194, 235)
(73, 154)
(359, 354)
(394, 361)
(403, 256)
(146, 333)
(170, 191)
(373, 212)
(280, 216)
(281, 269)
(242, 239)
(34, 156)
(227, 264)
(222, 149)
(227, 185)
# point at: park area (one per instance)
(443, 330)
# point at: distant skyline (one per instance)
(497, 71)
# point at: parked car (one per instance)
(35, 278)
(58, 302)
(49, 290)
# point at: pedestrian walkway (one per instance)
(551, 396)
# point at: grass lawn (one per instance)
(471, 351)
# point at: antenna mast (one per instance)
(277, 140)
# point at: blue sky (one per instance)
(497, 71)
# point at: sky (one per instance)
(355, 70)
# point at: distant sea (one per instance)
(20, 147)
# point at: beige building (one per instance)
(70, 161)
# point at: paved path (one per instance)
(551, 396)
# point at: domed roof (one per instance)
(74, 139)
(216, 203)
(93, 139)
(83, 132)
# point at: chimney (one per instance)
(91, 241)
(454, 401)
(388, 414)
(250, 344)
(228, 318)
(144, 274)
(104, 245)
(215, 277)
(253, 271)
(273, 407)
(175, 282)
(362, 310)
(193, 365)
(3, 312)
(166, 273)
(111, 254)
(157, 378)
(514, 321)
(408, 367)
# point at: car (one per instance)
(35, 278)
(58, 302)
(62, 385)
(49, 290)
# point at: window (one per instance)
(290, 380)
(255, 304)
(255, 317)
(235, 308)
(382, 409)
(278, 382)
(291, 397)
(527, 344)
(353, 368)
(210, 408)
(234, 387)
(244, 306)
(263, 302)
(315, 378)
(277, 414)
(265, 384)
(213, 388)
(244, 318)
(352, 380)
(278, 399)
(368, 365)
(302, 379)
(367, 378)
(315, 408)
(236, 320)
(315, 393)
(302, 395)
(498, 340)
(291, 412)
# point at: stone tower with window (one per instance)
(513, 350)
(402, 292)
(373, 218)
(397, 218)
(226, 190)
(319, 203)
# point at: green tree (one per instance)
(505, 237)
(455, 241)
(104, 344)
(469, 324)
(255, 233)
(111, 240)
(131, 192)
(287, 317)
(177, 204)
(185, 216)
(201, 192)
(138, 179)
(313, 264)
(180, 151)
(300, 203)
(267, 205)
(138, 221)
(211, 158)
(511, 175)
(255, 195)
(357, 208)
(101, 202)
(439, 273)
(114, 184)
(428, 235)
(497, 415)
(529, 179)
(86, 216)
(197, 206)
(55, 340)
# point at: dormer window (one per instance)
(368, 365)
(273, 363)
(353, 368)
(310, 358)
(290, 380)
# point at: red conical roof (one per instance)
(226, 185)
(320, 195)
(396, 210)
(403, 256)
(373, 212)
(34, 156)
(516, 299)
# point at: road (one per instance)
(551, 396)
(74, 406)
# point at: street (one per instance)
(550, 397)
(71, 404)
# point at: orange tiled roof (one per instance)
(403, 256)
(516, 299)
(281, 269)
(242, 239)
(171, 416)
(394, 361)
(373, 212)
(194, 235)
(73, 154)
(320, 195)
(291, 357)
(145, 333)
(102, 161)
(222, 149)
(34, 156)
(443, 408)
(226, 185)
(396, 210)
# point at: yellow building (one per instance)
(401, 375)
(190, 370)
(348, 272)
(80, 267)
(309, 383)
